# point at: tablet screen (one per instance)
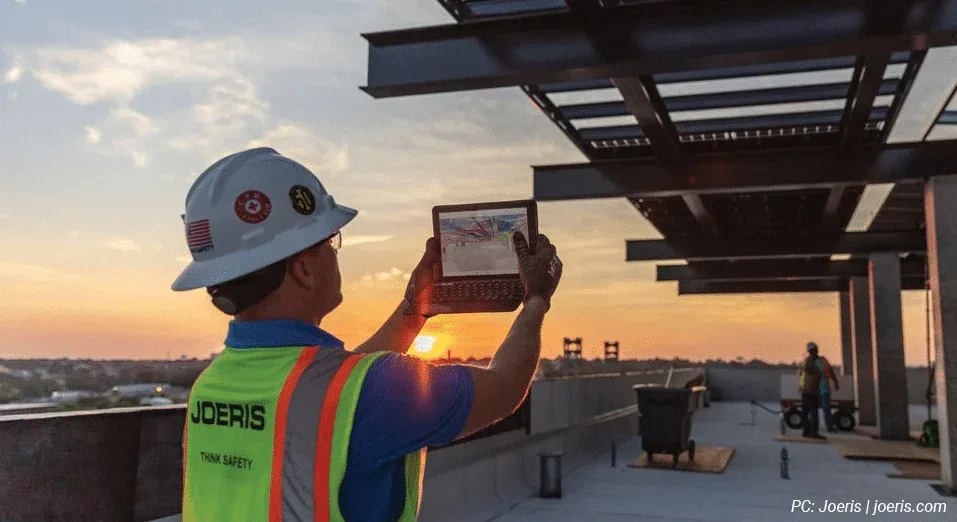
(479, 242)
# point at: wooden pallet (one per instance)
(876, 449)
(707, 459)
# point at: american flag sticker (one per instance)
(198, 236)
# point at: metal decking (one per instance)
(721, 121)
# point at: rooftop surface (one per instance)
(750, 488)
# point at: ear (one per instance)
(299, 271)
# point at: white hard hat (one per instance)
(250, 210)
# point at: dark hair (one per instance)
(236, 296)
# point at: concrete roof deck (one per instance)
(749, 489)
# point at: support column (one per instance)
(887, 338)
(863, 358)
(940, 211)
(847, 346)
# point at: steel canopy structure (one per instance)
(744, 131)
(754, 135)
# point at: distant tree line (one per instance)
(49, 375)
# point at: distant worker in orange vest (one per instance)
(815, 377)
(285, 424)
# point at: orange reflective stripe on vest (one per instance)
(327, 424)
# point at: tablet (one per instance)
(476, 239)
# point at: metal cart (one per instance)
(842, 403)
(664, 420)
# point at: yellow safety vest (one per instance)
(267, 435)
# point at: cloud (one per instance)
(227, 111)
(348, 240)
(3, 216)
(21, 2)
(13, 75)
(449, 152)
(121, 69)
(137, 122)
(158, 248)
(384, 278)
(121, 244)
(388, 276)
(140, 159)
(295, 140)
(118, 71)
(221, 73)
(92, 135)
(183, 259)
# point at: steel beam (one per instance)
(553, 113)
(796, 67)
(748, 172)
(784, 123)
(695, 287)
(766, 270)
(661, 37)
(859, 243)
(726, 100)
(789, 67)
(459, 9)
(492, 8)
(889, 16)
(643, 101)
(860, 101)
(914, 62)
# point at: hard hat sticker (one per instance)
(253, 206)
(198, 236)
(302, 200)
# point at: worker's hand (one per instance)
(540, 271)
(423, 278)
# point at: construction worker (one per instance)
(285, 424)
(815, 377)
(828, 376)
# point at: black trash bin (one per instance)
(664, 420)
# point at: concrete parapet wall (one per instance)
(126, 464)
(559, 403)
(484, 478)
(108, 465)
(764, 384)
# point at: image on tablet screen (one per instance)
(479, 242)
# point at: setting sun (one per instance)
(424, 343)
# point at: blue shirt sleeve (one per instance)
(407, 404)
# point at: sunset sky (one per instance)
(108, 114)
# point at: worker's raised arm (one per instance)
(500, 389)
